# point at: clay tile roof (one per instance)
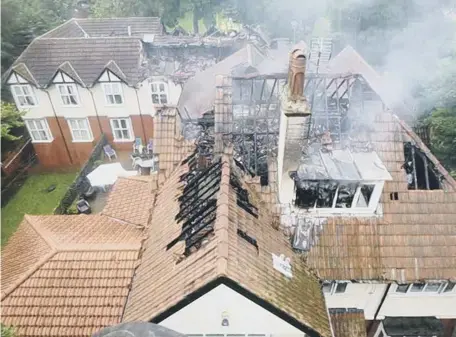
(348, 322)
(130, 200)
(166, 277)
(67, 275)
(415, 239)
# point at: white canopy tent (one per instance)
(107, 174)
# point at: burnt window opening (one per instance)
(394, 196)
(420, 171)
(328, 194)
(197, 206)
(248, 238)
(242, 196)
(365, 195)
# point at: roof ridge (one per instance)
(24, 277)
(82, 29)
(117, 18)
(221, 226)
(91, 38)
(43, 36)
(45, 234)
(26, 68)
(72, 68)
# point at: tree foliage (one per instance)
(10, 120)
(7, 331)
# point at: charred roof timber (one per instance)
(198, 204)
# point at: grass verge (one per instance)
(33, 198)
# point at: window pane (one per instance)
(125, 134)
(118, 99)
(432, 287)
(77, 134)
(35, 135)
(39, 124)
(26, 90)
(449, 287)
(123, 123)
(43, 135)
(155, 99)
(345, 196)
(70, 89)
(73, 100)
(22, 100)
(365, 195)
(340, 288)
(115, 123)
(417, 287)
(163, 99)
(162, 87)
(326, 287)
(62, 89)
(118, 134)
(154, 87)
(84, 135)
(402, 288)
(17, 90)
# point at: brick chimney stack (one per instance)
(294, 123)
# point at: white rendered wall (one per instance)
(84, 109)
(358, 295)
(441, 305)
(43, 107)
(127, 108)
(145, 98)
(204, 316)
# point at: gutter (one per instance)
(140, 114)
(60, 127)
(378, 309)
(96, 110)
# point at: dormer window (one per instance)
(323, 196)
(113, 93)
(23, 95)
(159, 92)
(68, 94)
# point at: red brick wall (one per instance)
(63, 153)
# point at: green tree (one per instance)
(442, 123)
(11, 119)
(7, 331)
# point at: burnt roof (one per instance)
(176, 265)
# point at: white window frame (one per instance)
(159, 92)
(31, 95)
(33, 128)
(129, 128)
(108, 89)
(86, 129)
(440, 290)
(370, 209)
(67, 94)
(333, 288)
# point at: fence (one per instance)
(80, 184)
(15, 170)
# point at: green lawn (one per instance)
(32, 198)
